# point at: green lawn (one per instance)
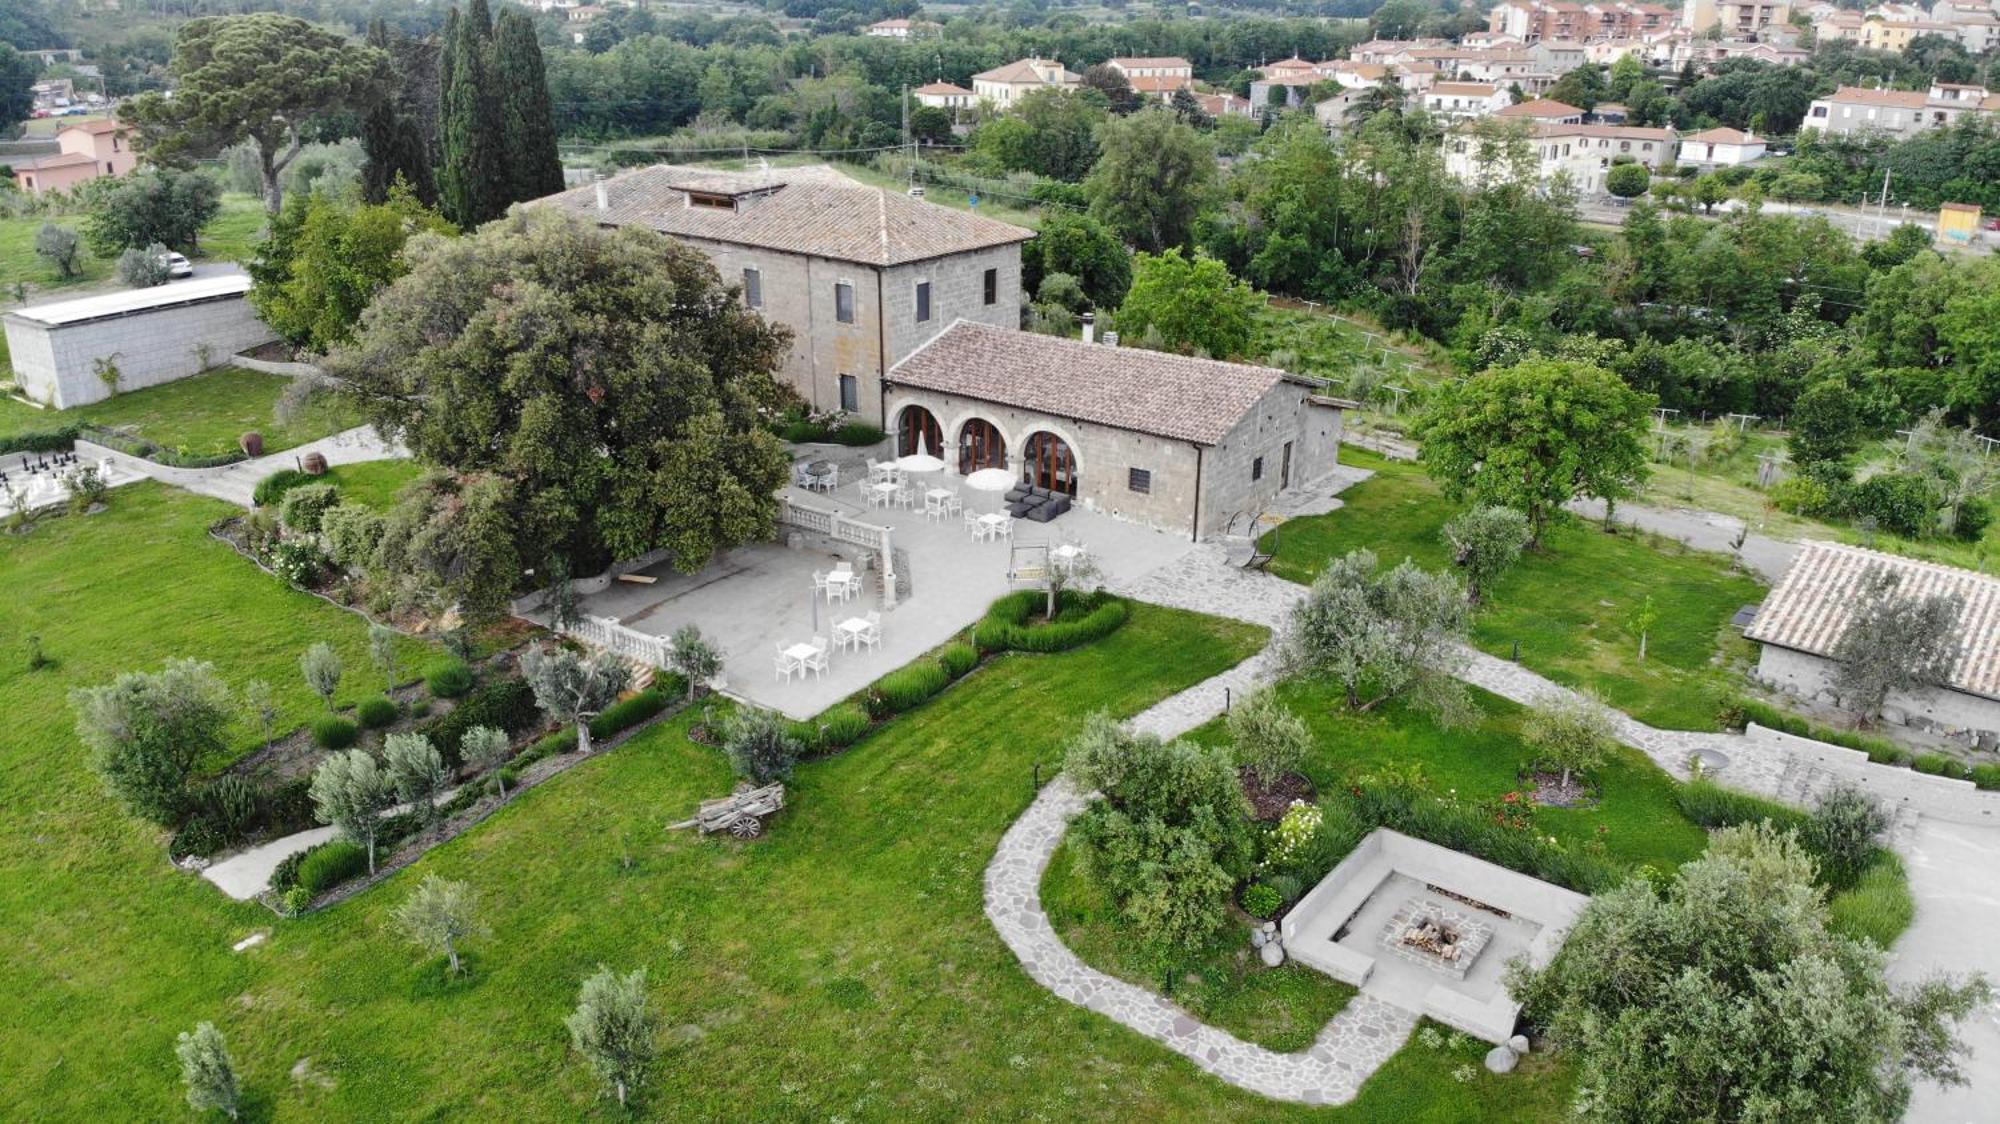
(374, 483)
(205, 414)
(229, 237)
(1569, 606)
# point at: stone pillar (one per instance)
(888, 572)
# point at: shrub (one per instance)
(449, 680)
(905, 687)
(504, 704)
(1878, 907)
(857, 434)
(272, 488)
(1712, 806)
(352, 532)
(1901, 503)
(331, 731)
(1882, 751)
(1986, 776)
(44, 441)
(1974, 516)
(760, 745)
(298, 561)
(305, 505)
(842, 726)
(377, 712)
(1260, 900)
(1842, 831)
(958, 658)
(330, 864)
(1268, 739)
(1080, 619)
(1475, 831)
(288, 807)
(200, 835)
(554, 745)
(231, 805)
(1940, 765)
(286, 874)
(627, 713)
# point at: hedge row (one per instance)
(616, 719)
(154, 451)
(1080, 618)
(1881, 751)
(60, 440)
(1712, 806)
(1474, 832)
(504, 704)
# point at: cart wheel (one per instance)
(749, 827)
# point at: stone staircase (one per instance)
(1803, 781)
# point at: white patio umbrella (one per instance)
(993, 480)
(919, 463)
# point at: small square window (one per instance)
(843, 302)
(1257, 469)
(850, 394)
(923, 301)
(753, 288)
(1139, 480)
(992, 286)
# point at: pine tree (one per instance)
(470, 190)
(526, 118)
(392, 138)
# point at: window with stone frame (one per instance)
(843, 302)
(1139, 480)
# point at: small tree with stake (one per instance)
(613, 1027)
(1571, 732)
(574, 689)
(321, 667)
(1644, 618)
(486, 748)
(350, 792)
(439, 916)
(1484, 542)
(384, 650)
(694, 658)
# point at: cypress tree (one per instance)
(471, 190)
(527, 120)
(391, 136)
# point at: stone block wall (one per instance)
(58, 365)
(1807, 676)
(1233, 492)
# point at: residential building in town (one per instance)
(1584, 154)
(89, 150)
(1543, 110)
(861, 275)
(944, 95)
(1531, 21)
(1897, 113)
(1803, 620)
(1462, 100)
(902, 29)
(1004, 85)
(1735, 17)
(1721, 148)
(1224, 105)
(1155, 77)
(1282, 91)
(1195, 447)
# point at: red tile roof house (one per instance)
(1803, 619)
(89, 150)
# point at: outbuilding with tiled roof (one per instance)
(1804, 618)
(1190, 445)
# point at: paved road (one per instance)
(1952, 873)
(1769, 558)
(237, 483)
(1862, 224)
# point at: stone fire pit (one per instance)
(1438, 937)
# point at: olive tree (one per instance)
(1725, 996)
(208, 1071)
(416, 770)
(1894, 643)
(574, 689)
(351, 792)
(1269, 740)
(760, 746)
(613, 1027)
(1570, 732)
(440, 916)
(320, 665)
(694, 658)
(487, 749)
(1484, 541)
(385, 650)
(146, 730)
(62, 248)
(1381, 635)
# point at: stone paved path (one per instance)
(1363, 1036)
(237, 482)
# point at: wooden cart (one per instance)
(741, 813)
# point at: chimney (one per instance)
(603, 196)
(1111, 339)
(1090, 327)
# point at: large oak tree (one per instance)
(608, 377)
(263, 78)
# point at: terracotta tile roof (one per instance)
(1293, 63)
(1895, 99)
(1814, 601)
(814, 211)
(1720, 136)
(66, 160)
(1540, 108)
(1174, 396)
(1161, 61)
(1023, 70)
(99, 127)
(1158, 83)
(942, 88)
(1463, 90)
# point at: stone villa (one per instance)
(1193, 446)
(862, 276)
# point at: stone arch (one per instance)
(1048, 460)
(978, 442)
(917, 431)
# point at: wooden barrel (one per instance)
(253, 444)
(314, 463)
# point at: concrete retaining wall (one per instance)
(57, 365)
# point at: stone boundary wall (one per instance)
(1946, 798)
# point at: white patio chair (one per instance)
(972, 526)
(1005, 528)
(840, 586)
(819, 662)
(801, 478)
(820, 585)
(842, 638)
(831, 480)
(954, 504)
(872, 637)
(785, 665)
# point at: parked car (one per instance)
(1992, 223)
(178, 265)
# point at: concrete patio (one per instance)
(754, 600)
